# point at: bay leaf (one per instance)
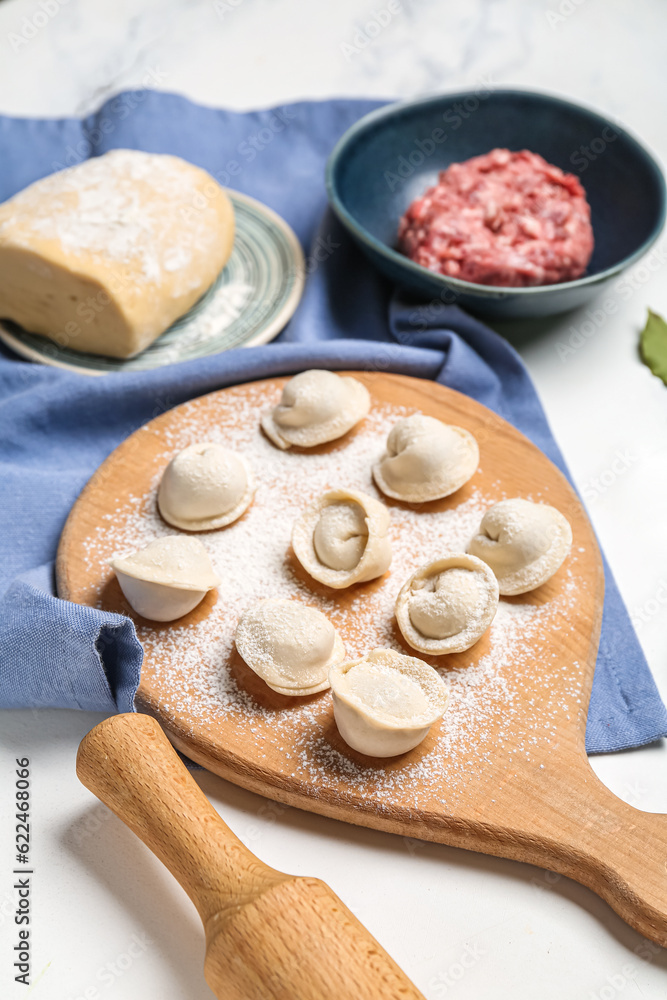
(653, 345)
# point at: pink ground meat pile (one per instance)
(508, 219)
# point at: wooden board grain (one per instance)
(505, 773)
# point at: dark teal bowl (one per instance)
(392, 155)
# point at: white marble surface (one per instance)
(96, 886)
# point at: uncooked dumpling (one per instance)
(316, 406)
(343, 538)
(205, 486)
(425, 459)
(385, 702)
(289, 645)
(104, 256)
(447, 605)
(167, 578)
(523, 542)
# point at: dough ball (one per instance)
(316, 406)
(102, 257)
(205, 486)
(341, 535)
(447, 605)
(167, 578)
(523, 542)
(425, 459)
(385, 702)
(343, 538)
(289, 645)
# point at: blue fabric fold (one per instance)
(56, 427)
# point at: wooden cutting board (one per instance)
(505, 772)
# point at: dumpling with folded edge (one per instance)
(523, 542)
(205, 486)
(290, 645)
(343, 538)
(316, 406)
(167, 578)
(425, 459)
(447, 605)
(386, 702)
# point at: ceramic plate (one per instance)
(249, 303)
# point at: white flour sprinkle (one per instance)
(198, 669)
(214, 313)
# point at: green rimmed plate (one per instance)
(249, 303)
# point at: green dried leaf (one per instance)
(653, 345)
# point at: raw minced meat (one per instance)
(508, 219)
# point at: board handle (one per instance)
(628, 850)
(268, 934)
(581, 829)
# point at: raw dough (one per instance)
(205, 486)
(289, 645)
(167, 578)
(104, 256)
(524, 543)
(342, 538)
(447, 605)
(385, 703)
(426, 459)
(316, 406)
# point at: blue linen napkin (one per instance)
(56, 427)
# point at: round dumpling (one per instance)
(316, 406)
(425, 459)
(343, 538)
(167, 578)
(446, 606)
(205, 486)
(523, 542)
(385, 703)
(289, 645)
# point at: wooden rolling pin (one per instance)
(268, 935)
